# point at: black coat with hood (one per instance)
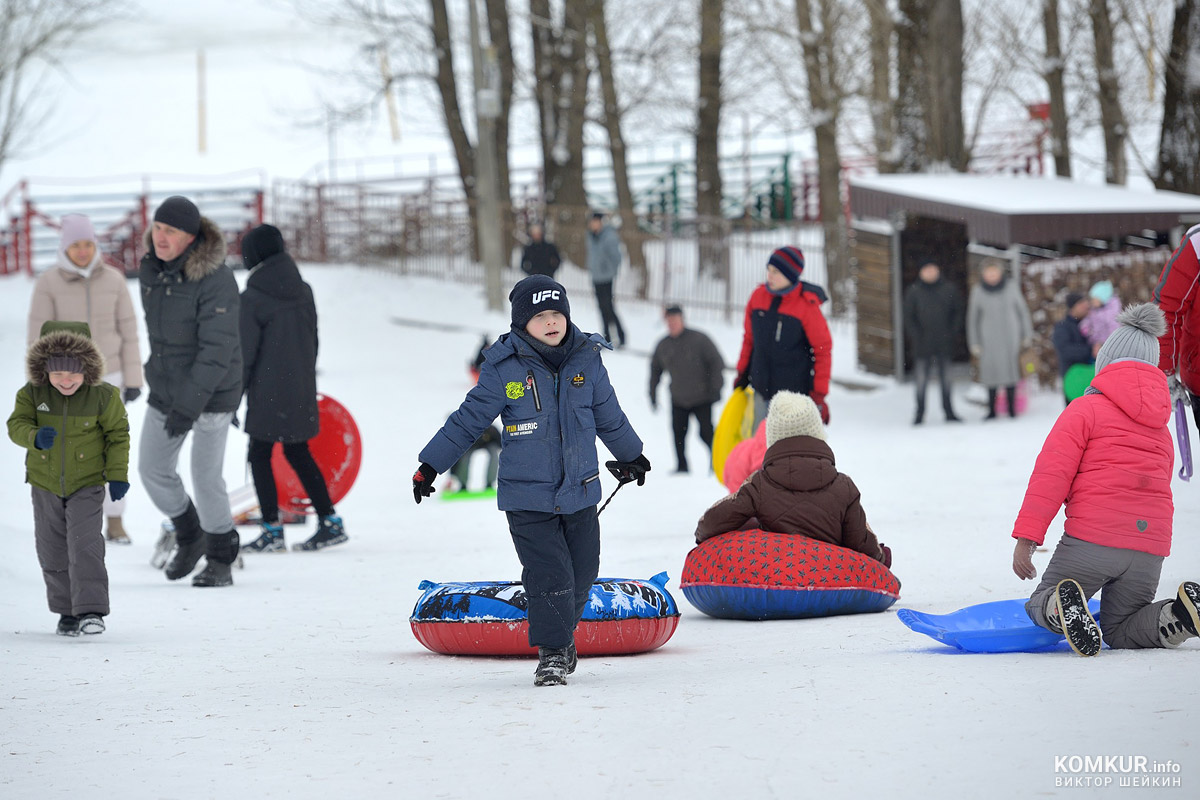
(279, 352)
(191, 309)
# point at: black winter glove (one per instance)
(117, 489)
(44, 439)
(423, 480)
(130, 394)
(742, 380)
(626, 471)
(177, 424)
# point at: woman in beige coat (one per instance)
(80, 287)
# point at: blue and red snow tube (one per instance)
(490, 618)
(759, 575)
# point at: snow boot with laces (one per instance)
(329, 532)
(271, 540)
(1179, 619)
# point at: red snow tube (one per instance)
(757, 574)
(337, 449)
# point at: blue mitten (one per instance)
(44, 439)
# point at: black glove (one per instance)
(44, 439)
(130, 394)
(423, 480)
(117, 489)
(626, 471)
(742, 380)
(177, 424)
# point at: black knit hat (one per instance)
(64, 363)
(535, 294)
(260, 244)
(179, 212)
(1073, 298)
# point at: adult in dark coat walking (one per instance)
(539, 256)
(279, 357)
(695, 366)
(933, 317)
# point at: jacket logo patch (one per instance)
(520, 429)
(220, 310)
(577, 381)
(514, 390)
(43, 407)
(1142, 525)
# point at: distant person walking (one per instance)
(933, 317)
(998, 327)
(190, 299)
(81, 287)
(604, 262)
(695, 366)
(539, 256)
(278, 324)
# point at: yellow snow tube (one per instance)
(736, 424)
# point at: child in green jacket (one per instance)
(75, 429)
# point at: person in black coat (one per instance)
(1070, 344)
(933, 317)
(279, 358)
(539, 257)
(695, 366)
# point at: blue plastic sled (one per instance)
(998, 627)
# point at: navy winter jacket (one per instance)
(550, 422)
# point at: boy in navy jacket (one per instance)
(547, 383)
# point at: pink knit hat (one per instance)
(76, 228)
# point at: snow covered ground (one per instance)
(304, 680)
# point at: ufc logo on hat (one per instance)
(545, 294)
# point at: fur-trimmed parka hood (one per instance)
(203, 257)
(64, 339)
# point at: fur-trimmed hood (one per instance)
(205, 255)
(64, 339)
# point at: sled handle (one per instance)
(1185, 441)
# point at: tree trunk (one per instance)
(499, 34)
(819, 68)
(883, 30)
(1178, 157)
(560, 61)
(711, 227)
(913, 96)
(1060, 142)
(629, 232)
(1112, 118)
(464, 152)
(945, 75)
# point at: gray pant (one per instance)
(1129, 578)
(70, 548)
(158, 462)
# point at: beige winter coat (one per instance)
(102, 300)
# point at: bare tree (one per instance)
(929, 127)
(1052, 70)
(1178, 153)
(499, 32)
(882, 34)
(1108, 92)
(33, 36)
(710, 219)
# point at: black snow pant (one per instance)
(560, 559)
(300, 458)
(608, 314)
(680, 417)
(921, 370)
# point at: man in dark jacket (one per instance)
(279, 373)
(1070, 344)
(604, 262)
(190, 300)
(539, 256)
(695, 366)
(933, 317)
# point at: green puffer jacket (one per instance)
(92, 445)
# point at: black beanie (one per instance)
(179, 212)
(260, 244)
(535, 294)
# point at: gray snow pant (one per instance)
(70, 548)
(1129, 578)
(158, 462)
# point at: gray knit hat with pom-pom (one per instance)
(1137, 337)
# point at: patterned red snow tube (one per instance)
(760, 575)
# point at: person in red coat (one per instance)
(1178, 296)
(1109, 458)
(786, 344)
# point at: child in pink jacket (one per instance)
(1109, 458)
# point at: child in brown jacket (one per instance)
(798, 490)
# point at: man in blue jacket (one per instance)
(547, 383)
(604, 261)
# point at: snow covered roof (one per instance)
(1003, 209)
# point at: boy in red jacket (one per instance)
(1109, 458)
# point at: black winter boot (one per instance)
(222, 549)
(67, 625)
(554, 664)
(1069, 612)
(991, 404)
(1010, 394)
(189, 544)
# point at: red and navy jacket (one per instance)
(1177, 294)
(786, 343)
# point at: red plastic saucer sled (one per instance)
(337, 449)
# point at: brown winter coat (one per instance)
(798, 491)
(101, 300)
